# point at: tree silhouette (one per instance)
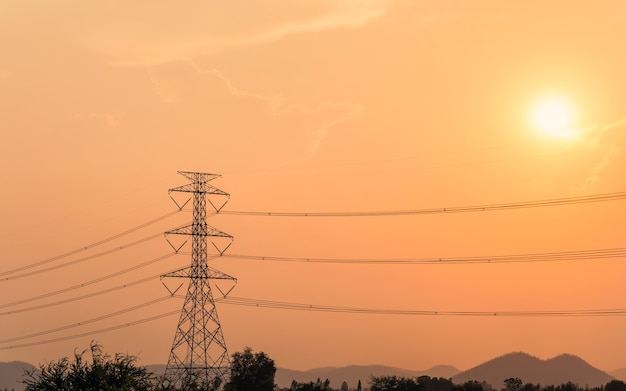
(513, 384)
(615, 385)
(395, 383)
(251, 372)
(101, 372)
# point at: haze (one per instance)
(321, 106)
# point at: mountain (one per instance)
(555, 371)
(11, 374)
(619, 374)
(353, 373)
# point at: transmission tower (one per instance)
(199, 351)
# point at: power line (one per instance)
(95, 332)
(608, 253)
(378, 311)
(110, 251)
(89, 246)
(77, 298)
(619, 252)
(247, 302)
(91, 282)
(534, 257)
(458, 209)
(82, 323)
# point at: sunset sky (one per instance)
(318, 106)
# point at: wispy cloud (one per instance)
(327, 116)
(606, 142)
(459, 17)
(105, 119)
(269, 129)
(149, 36)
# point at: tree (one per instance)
(428, 383)
(615, 385)
(471, 385)
(318, 385)
(513, 384)
(251, 372)
(395, 383)
(344, 387)
(569, 386)
(102, 373)
(531, 387)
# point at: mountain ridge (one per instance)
(11, 374)
(530, 369)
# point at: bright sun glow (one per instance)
(554, 117)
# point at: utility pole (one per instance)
(199, 351)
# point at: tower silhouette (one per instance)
(199, 353)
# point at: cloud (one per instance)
(453, 17)
(326, 116)
(606, 143)
(205, 107)
(104, 119)
(596, 141)
(150, 33)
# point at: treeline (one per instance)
(427, 383)
(94, 370)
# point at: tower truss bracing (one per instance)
(199, 353)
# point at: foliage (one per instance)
(471, 385)
(615, 385)
(192, 382)
(251, 372)
(427, 383)
(311, 386)
(393, 383)
(513, 384)
(101, 373)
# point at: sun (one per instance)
(554, 117)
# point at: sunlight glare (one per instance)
(554, 117)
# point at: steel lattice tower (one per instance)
(199, 351)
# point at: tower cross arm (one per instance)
(189, 230)
(200, 188)
(211, 273)
(199, 176)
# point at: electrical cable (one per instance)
(91, 282)
(619, 252)
(90, 246)
(92, 320)
(532, 257)
(100, 331)
(240, 301)
(378, 311)
(88, 295)
(110, 251)
(458, 209)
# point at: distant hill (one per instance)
(619, 374)
(353, 373)
(555, 371)
(11, 374)
(156, 369)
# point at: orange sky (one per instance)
(317, 106)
